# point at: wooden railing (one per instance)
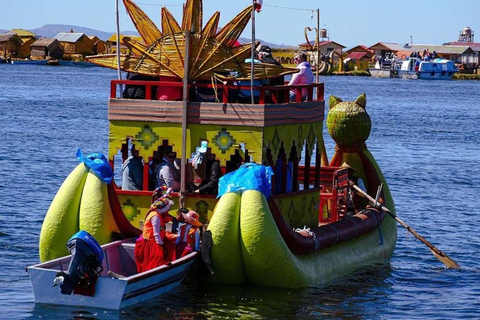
(276, 94)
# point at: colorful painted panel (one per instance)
(148, 136)
(301, 208)
(290, 134)
(135, 207)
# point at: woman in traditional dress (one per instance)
(156, 246)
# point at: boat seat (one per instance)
(126, 251)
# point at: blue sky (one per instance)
(349, 22)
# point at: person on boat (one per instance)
(245, 95)
(305, 76)
(152, 172)
(188, 239)
(178, 220)
(132, 171)
(212, 175)
(154, 247)
(167, 174)
(137, 91)
(265, 56)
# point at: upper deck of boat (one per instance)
(225, 112)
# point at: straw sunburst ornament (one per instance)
(212, 51)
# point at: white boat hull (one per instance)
(404, 74)
(111, 293)
(380, 73)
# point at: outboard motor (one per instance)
(86, 263)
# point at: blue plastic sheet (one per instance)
(99, 164)
(250, 176)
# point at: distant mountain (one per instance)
(51, 30)
(271, 45)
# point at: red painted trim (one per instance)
(275, 90)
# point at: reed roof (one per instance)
(8, 37)
(21, 33)
(44, 42)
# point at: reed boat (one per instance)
(294, 227)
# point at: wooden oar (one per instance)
(436, 252)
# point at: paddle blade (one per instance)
(449, 263)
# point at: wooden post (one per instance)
(253, 52)
(118, 46)
(318, 47)
(183, 173)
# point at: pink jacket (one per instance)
(305, 76)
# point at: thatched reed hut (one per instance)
(99, 46)
(75, 43)
(112, 43)
(46, 48)
(27, 38)
(9, 45)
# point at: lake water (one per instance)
(425, 137)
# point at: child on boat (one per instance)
(188, 238)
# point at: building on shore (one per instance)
(112, 43)
(385, 49)
(46, 48)
(466, 38)
(99, 46)
(75, 43)
(462, 54)
(326, 48)
(359, 57)
(9, 45)
(27, 38)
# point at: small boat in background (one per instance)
(383, 68)
(415, 68)
(31, 62)
(103, 277)
(5, 60)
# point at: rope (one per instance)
(288, 8)
(159, 5)
(380, 237)
(336, 232)
(356, 225)
(316, 244)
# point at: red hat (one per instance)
(192, 218)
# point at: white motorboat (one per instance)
(415, 68)
(112, 284)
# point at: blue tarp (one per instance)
(250, 176)
(99, 164)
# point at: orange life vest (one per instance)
(187, 236)
(148, 226)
